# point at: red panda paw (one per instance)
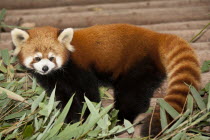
(155, 127)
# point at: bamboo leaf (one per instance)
(59, 122)
(28, 132)
(178, 136)
(197, 98)
(35, 104)
(2, 67)
(16, 115)
(5, 56)
(94, 119)
(206, 66)
(36, 124)
(177, 123)
(12, 95)
(0, 136)
(163, 118)
(170, 110)
(128, 125)
(65, 111)
(47, 109)
(92, 109)
(2, 77)
(34, 83)
(69, 132)
(84, 108)
(190, 103)
(2, 14)
(46, 133)
(208, 104)
(20, 122)
(12, 27)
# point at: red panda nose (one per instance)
(45, 68)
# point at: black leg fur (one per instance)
(134, 90)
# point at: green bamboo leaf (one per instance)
(95, 119)
(12, 27)
(207, 87)
(94, 133)
(170, 110)
(5, 56)
(190, 103)
(47, 109)
(28, 131)
(11, 136)
(201, 118)
(206, 66)
(163, 118)
(36, 102)
(3, 95)
(34, 137)
(84, 108)
(178, 136)
(69, 132)
(0, 136)
(91, 107)
(2, 67)
(49, 126)
(104, 123)
(2, 14)
(208, 104)
(60, 121)
(199, 138)
(125, 139)
(2, 77)
(16, 115)
(36, 124)
(65, 111)
(13, 59)
(22, 80)
(197, 98)
(55, 129)
(51, 102)
(177, 123)
(114, 130)
(34, 83)
(95, 115)
(128, 125)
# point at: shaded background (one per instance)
(181, 17)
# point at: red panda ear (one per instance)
(66, 37)
(18, 37)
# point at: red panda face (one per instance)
(43, 63)
(43, 49)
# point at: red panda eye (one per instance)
(51, 58)
(37, 58)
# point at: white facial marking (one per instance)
(27, 61)
(44, 62)
(50, 54)
(38, 54)
(59, 61)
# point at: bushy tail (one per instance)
(182, 67)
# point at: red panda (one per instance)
(133, 60)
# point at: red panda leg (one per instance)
(134, 90)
